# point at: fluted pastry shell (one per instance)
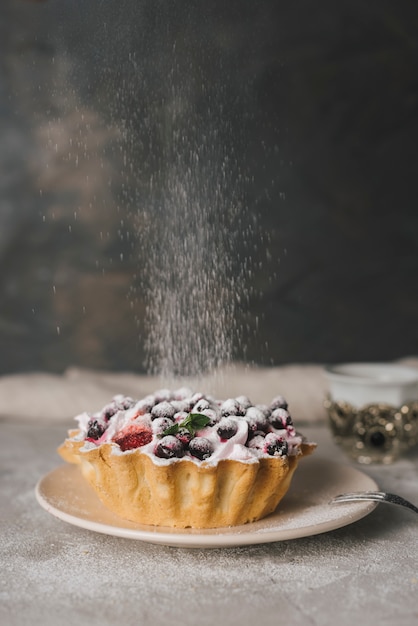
(182, 493)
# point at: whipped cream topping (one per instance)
(181, 425)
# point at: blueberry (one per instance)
(244, 401)
(182, 393)
(163, 409)
(162, 395)
(266, 411)
(169, 447)
(195, 398)
(95, 429)
(180, 416)
(201, 448)
(227, 428)
(201, 405)
(160, 424)
(232, 407)
(257, 442)
(256, 433)
(125, 403)
(256, 420)
(275, 445)
(145, 405)
(280, 419)
(181, 406)
(109, 410)
(278, 403)
(184, 436)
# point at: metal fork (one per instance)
(377, 496)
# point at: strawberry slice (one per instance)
(133, 437)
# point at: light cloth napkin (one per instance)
(41, 395)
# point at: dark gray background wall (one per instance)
(317, 102)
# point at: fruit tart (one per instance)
(187, 460)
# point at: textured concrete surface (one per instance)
(319, 102)
(54, 573)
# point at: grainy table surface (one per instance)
(53, 573)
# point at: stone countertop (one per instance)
(53, 573)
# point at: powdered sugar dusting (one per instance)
(188, 228)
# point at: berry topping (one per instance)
(109, 410)
(201, 405)
(181, 406)
(144, 406)
(160, 424)
(95, 429)
(201, 448)
(184, 435)
(179, 423)
(232, 407)
(169, 447)
(212, 416)
(278, 403)
(266, 411)
(244, 401)
(163, 409)
(256, 419)
(119, 403)
(280, 419)
(162, 395)
(257, 442)
(275, 445)
(227, 428)
(132, 437)
(182, 394)
(180, 416)
(193, 422)
(195, 398)
(125, 402)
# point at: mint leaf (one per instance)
(193, 422)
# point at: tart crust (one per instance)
(182, 493)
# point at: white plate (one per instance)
(304, 511)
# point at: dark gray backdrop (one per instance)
(318, 101)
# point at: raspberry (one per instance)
(132, 437)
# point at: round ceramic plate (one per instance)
(304, 511)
